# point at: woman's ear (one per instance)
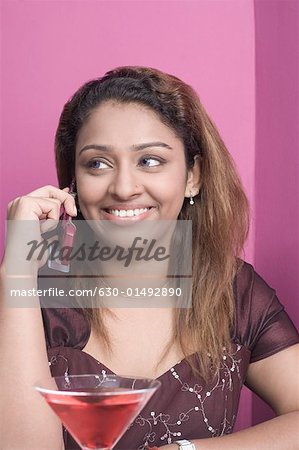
(193, 179)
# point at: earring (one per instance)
(191, 201)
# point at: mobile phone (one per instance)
(66, 236)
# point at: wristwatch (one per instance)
(185, 445)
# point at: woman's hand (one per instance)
(30, 216)
(43, 203)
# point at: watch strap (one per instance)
(185, 445)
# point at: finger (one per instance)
(51, 207)
(35, 208)
(48, 225)
(60, 194)
(44, 216)
(45, 191)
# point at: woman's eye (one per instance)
(98, 164)
(150, 162)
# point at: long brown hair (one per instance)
(219, 215)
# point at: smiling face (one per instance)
(130, 166)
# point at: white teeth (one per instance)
(127, 212)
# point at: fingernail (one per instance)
(75, 210)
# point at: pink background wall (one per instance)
(277, 155)
(49, 48)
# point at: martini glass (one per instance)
(97, 409)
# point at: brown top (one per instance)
(184, 407)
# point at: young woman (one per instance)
(140, 147)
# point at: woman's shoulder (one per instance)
(249, 285)
(261, 322)
(65, 327)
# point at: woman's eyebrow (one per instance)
(135, 147)
(151, 144)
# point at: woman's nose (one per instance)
(125, 183)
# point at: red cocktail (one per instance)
(97, 409)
